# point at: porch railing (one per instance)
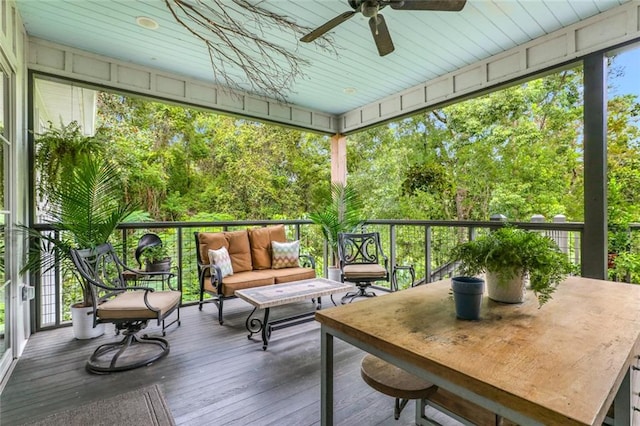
(423, 244)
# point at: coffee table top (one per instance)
(295, 291)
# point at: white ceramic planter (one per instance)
(82, 321)
(509, 291)
(333, 273)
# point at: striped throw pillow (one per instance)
(285, 255)
(221, 259)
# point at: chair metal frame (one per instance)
(361, 249)
(101, 271)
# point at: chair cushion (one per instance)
(292, 274)
(239, 250)
(130, 305)
(260, 241)
(221, 259)
(285, 255)
(364, 270)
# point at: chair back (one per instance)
(360, 248)
(100, 269)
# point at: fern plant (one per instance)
(510, 252)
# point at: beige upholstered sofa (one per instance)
(250, 253)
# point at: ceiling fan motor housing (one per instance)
(371, 8)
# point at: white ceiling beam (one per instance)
(67, 62)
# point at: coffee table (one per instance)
(270, 296)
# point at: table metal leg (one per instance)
(622, 403)
(326, 377)
(253, 325)
(266, 330)
(257, 325)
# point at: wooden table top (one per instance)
(559, 364)
(295, 291)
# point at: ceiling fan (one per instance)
(371, 9)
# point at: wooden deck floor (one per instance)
(213, 375)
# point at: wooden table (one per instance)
(270, 296)
(561, 364)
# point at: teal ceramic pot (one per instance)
(467, 295)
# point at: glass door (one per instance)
(5, 232)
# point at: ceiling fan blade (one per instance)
(327, 26)
(442, 5)
(381, 35)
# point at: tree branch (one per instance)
(235, 35)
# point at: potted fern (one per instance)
(508, 256)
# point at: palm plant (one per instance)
(342, 213)
(86, 208)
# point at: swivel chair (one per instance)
(362, 262)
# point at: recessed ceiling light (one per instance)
(147, 23)
(350, 90)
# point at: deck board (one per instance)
(213, 375)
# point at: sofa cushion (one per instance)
(239, 250)
(210, 241)
(285, 255)
(260, 240)
(246, 280)
(221, 259)
(292, 274)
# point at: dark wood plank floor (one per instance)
(213, 375)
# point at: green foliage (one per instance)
(59, 149)
(618, 237)
(509, 252)
(626, 265)
(515, 151)
(341, 213)
(155, 254)
(179, 162)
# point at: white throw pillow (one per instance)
(221, 259)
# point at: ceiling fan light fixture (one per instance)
(147, 23)
(369, 10)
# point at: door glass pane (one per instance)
(3, 99)
(4, 288)
(3, 179)
(3, 253)
(4, 151)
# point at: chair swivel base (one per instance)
(129, 353)
(361, 292)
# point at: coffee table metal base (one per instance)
(270, 296)
(257, 325)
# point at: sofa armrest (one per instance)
(307, 261)
(216, 277)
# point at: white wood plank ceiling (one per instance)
(428, 44)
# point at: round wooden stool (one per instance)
(395, 382)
